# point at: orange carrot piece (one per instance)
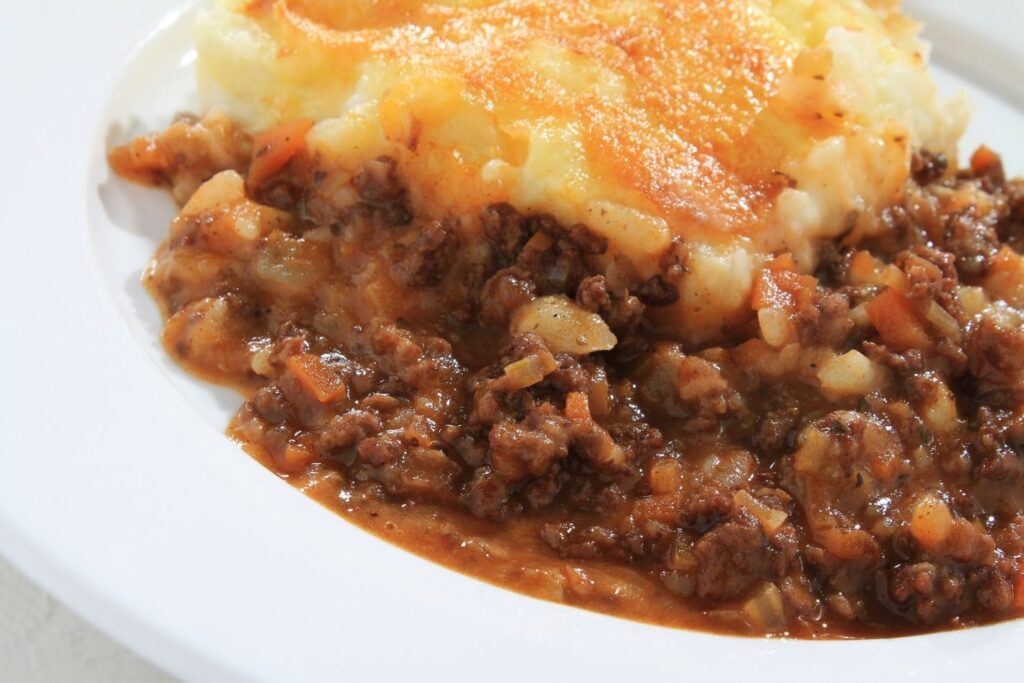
(780, 288)
(273, 149)
(315, 377)
(864, 268)
(1005, 279)
(577, 406)
(1018, 591)
(984, 160)
(782, 262)
(1007, 261)
(768, 294)
(899, 325)
(883, 465)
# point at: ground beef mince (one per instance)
(491, 391)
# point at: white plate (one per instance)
(119, 493)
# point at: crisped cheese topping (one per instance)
(652, 91)
(750, 125)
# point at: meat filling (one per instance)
(850, 463)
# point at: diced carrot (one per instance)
(883, 465)
(896, 320)
(864, 268)
(780, 288)
(797, 284)
(1005, 279)
(1006, 260)
(984, 160)
(315, 377)
(274, 148)
(1018, 591)
(782, 262)
(768, 294)
(577, 406)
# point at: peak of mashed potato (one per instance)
(746, 128)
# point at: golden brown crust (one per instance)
(696, 75)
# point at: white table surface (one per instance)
(41, 640)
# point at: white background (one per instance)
(41, 640)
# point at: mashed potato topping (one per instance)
(743, 128)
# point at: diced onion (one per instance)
(814, 446)
(939, 411)
(766, 610)
(529, 371)
(565, 326)
(776, 327)
(931, 521)
(682, 559)
(665, 476)
(222, 219)
(942, 321)
(972, 299)
(851, 374)
(771, 520)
